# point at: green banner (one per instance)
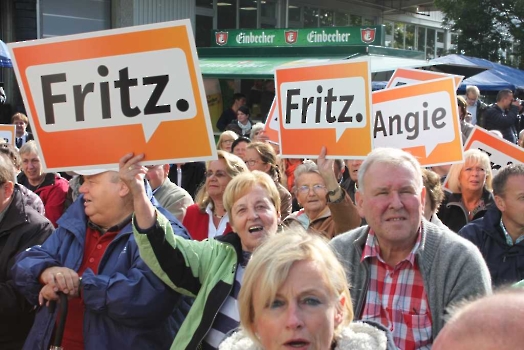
(366, 35)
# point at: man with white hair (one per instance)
(403, 270)
(475, 106)
(115, 300)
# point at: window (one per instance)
(341, 19)
(410, 37)
(430, 44)
(454, 39)
(310, 17)
(293, 13)
(421, 39)
(203, 27)
(367, 22)
(355, 20)
(440, 37)
(399, 36)
(226, 14)
(326, 18)
(205, 3)
(247, 12)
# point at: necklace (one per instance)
(40, 184)
(218, 216)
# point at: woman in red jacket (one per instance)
(207, 218)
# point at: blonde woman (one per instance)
(207, 218)
(295, 295)
(225, 140)
(470, 186)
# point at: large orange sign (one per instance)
(325, 105)
(421, 119)
(94, 97)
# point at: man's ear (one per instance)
(359, 202)
(9, 188)
(499, 202)
(166, 168)
(123, 190)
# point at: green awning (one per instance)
(264, 67)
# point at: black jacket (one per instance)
(505, 263)
(503, 121)
(22, 227)
(481, 108)
(454, 215)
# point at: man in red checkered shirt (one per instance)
(403, 270)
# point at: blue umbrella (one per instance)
(5, 58)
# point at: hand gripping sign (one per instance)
(7, 133)
(420, 118)
(93, 97)
(406, 76)
(326, 104)
(501, 152)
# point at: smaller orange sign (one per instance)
(272, 127)
(406, 76)
(420, 118)
(7, 133)
(501, 152)
(325, 105)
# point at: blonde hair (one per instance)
(270, 265)
(234, 166)
(223, 135)
(476, 157)
(244, 183)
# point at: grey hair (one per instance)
(389, 156)
(255, 128)
(307, 167)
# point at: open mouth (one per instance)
(298, 344)
(396, 219)
(254, 229)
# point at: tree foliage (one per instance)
(486, 28)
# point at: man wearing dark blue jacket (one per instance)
(115, 301)
(499, 235)
(503, 115)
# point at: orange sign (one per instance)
(406, 76)
(94, 97)
(501, 152)
(272, 127)
(325, 105)
(421, 119)
(7, 133)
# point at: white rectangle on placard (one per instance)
(141, 88)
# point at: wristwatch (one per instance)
(333, 192)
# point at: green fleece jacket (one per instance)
(204, 270)
(452, 269)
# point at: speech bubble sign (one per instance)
(420, 116)
(272, 126)
(121, 90)
(94, 97)
(501, 152)
(7, 133)
(407, 76)
(325, 105)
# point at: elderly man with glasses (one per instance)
(475, 106)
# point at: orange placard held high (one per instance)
(94, 97)
(325, 105)
(406, 76)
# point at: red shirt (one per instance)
(94, 249)
(396, 297)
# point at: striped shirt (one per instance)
(396, 297)
(227, 318)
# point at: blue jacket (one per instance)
(126, 305)
(505, 263)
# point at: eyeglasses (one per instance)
(252, 162)
(219, 174)
(316, 188)
(227, 141)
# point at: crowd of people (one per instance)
(252, 251)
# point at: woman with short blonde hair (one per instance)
(225, 141)
(295, 292)
(470, 186)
